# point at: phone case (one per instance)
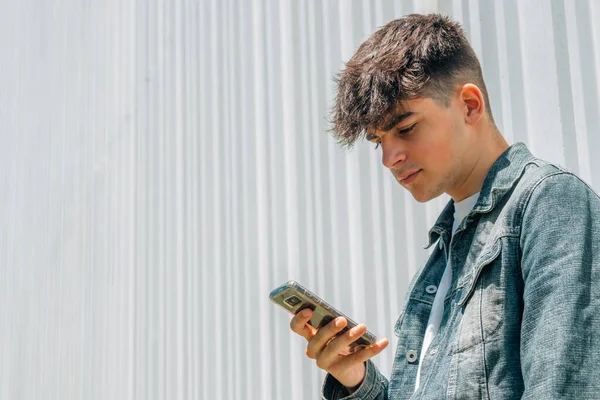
(293, 297)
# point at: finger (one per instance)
(324, 336)
(340, 344)
(344, 363)
(298, 324)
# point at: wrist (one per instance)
(353, 387)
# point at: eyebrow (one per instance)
(395, 120)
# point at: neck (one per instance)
(487, 152)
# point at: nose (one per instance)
(392, 153)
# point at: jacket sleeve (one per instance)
(373, 387)
(560, 244)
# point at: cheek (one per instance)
(440, 155)
(435, 148)
(445, 146)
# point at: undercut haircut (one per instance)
(412, 57)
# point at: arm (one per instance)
(560, 331)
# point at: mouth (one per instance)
(408, 178)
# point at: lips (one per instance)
(408, 177)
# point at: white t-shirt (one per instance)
(461, 209)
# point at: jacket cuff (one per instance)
(372, 387)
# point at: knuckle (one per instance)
(294, 325)
(310, 353)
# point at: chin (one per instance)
(424, 197)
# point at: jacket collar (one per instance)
(501, 178)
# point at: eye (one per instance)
(406, 130)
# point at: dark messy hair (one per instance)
(411, 57)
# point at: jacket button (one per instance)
(411, 356)
(431, 289)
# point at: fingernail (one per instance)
(338, 322)
(305, 313)
(357, 329)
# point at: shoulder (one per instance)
(553, 184)
(555, 201)
(545, 183)
(545, 192)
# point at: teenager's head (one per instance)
(416, 88)
(412, 57)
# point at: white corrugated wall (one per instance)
(165, 164)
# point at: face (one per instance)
(426, 147)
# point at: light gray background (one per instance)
(165, 164)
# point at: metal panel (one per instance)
(163, 165)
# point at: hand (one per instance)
(331, 351)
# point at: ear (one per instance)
(472, 103)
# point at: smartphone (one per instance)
(293, 297)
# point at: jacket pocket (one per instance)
(488, 257)
(481, 300)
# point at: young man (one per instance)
(508, 304)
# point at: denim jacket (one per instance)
(522, 315)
